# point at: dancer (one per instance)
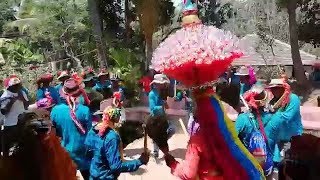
(247, 79)
(286, 121)
(94, 96)
(72, 121)
(250, 127)
(103, 85)
(104, 141)
(45, 89)
(14, 101)
(62, 77)
(157, 105)
(196, 55)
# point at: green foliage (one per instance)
(6, 15)
(282, 3)
(127, 65)
(166, 12)
(213, 13)
(309, 27)
(17, 53)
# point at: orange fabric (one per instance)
(48, 160)
(196, 164)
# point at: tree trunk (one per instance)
(127, 20)
(295, 53)
(96, 20)
(148, 51)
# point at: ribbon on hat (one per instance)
(72, 105)
(285, 98)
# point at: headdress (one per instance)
(108, 114)
(251, 97)
(11, 81)
(63, 74)
(45, 78)
(196, 55)
(285, 98)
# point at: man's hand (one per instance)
(144, 158)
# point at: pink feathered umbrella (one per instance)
(195, 54)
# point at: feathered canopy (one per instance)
(196, 54)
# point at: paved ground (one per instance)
(156, 169)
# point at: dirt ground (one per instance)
(156, 169)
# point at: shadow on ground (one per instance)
(179, 153)
(133, 152)
(139, 172)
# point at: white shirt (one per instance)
(11, 118)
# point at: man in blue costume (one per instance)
(104, 142)
(62, 77)
(286, 121)
(244, 75)
(45, 89)
(249, 123)
(94, 96)
(103, 84)
(157, 104)
(72, 121)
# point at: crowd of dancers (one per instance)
(196, 56)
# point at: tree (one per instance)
(310, 22)
(291, 6)
(151, 15)
(95, 16)
(215, 13)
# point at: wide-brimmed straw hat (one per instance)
(276, 83)
(63, 74)
(103, 105)
(251, 96)
(243, 71)
(160, 79)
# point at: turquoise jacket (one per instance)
(101, 86)
(285, 123)
(106, 163)
(155, 103)
(244, 88)
(245, 125)
(58, 87)
(71, 138)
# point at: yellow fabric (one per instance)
(231, 128)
